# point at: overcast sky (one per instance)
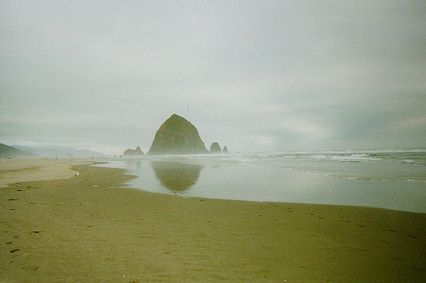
(255, 75)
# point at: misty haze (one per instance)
(206, 141)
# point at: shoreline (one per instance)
(129, 186)
(277, 182)
(82, 229)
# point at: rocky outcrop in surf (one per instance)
(215, 148)
(133, 152)
(177, 136)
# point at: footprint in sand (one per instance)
(30, 268)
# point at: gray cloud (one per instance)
(256, 75)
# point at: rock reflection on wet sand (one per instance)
(176, 176)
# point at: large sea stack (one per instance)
(177, 136)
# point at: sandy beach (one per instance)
(35, 169)
(88, 228)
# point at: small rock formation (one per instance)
(225, 149)
(215, 148)
(133, 152)
(177, 136)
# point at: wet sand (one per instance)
(86, 229)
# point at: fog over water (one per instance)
(254, 75)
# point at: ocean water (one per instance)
(392, 179)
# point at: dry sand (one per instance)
(85, 229)
(35, 169)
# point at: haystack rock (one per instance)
(225, 149)
(177, 136)
(215, 148)
(133, 152)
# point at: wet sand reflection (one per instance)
(176, 176)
